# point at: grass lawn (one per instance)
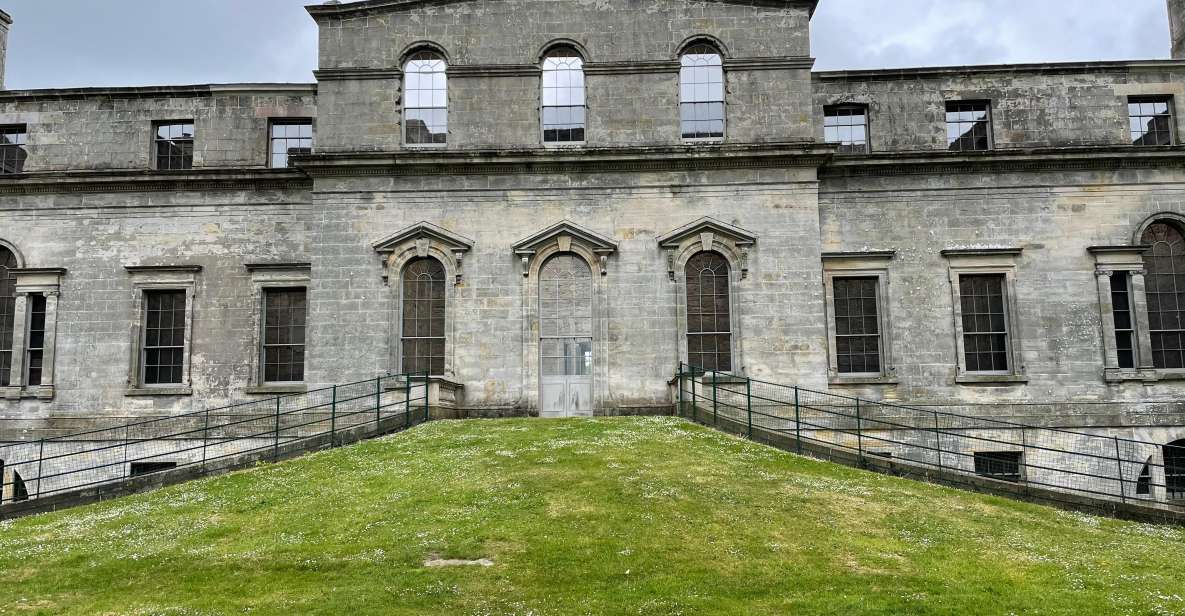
(606, 516)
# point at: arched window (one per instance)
(563, 96)
(422, 338)
(7, 313)
(1165, 288)
(701, 93)
(425, 99)
(709, 318)
(1174, 470)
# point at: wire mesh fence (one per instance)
(210, 437)
(1082, 462)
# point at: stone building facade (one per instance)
(549, 219)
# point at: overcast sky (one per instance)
(73, 43)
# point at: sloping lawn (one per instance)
(606, 516)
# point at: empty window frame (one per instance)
(701, 93)
(163, 351)
(1144, 480)
(968, 126)
(1125, 328)
(173, 145)
(287, 138)
(1174, 470)
(284, 313)
(709, 314)
(7, 313)
(857, 325)
(1002, 465)
(847, 125)
(1150, 120)
(1164, 286)
(984, 312)
(13, 140)
(422, 338)
(35, 340)
(147, 468)
(425, 99)
(563, 108)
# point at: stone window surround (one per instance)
(999, 261)
(709, 235)
(1130, 259)
(718, 45)
(266, 276)
(34, 281)
(160, 277)
(864, 264)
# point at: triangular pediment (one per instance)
(707, 224)
(424, 230)
(598, 243)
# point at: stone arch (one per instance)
(560, 43)
(702, 39)
(1171, 217)
(423, 45)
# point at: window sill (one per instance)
(563, 145)
(42, 392)
(1124, 375)
(705, 141)
(425, 146)
(180, 390)
(277, 388)
(991, 379)
(862, 380)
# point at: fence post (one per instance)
(40, 459)
(694, 399)
(333, 418)
(797, 422)
(1119, 469)
(427, 410)
(938, 439)
(1024, 458)
(679, 384)
(205, 436)
(276, 445)
(715, 412)
(749, 404)
(859, 432)
(378, 402)
(407, 400)
(127, 432)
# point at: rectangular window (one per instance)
(1124, 327)
(1150, 120)
(1002, 465)
(847, 125)
(164, 337)
(147, 468)
(857, 325)
(985, 322)
(35, 341)
(288, 138)
(284, 313)
(174, 145)
(968, 126)
(13, 140)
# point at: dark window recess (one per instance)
(882, 454)
(701, 93)
(35, 345)
(7, 313)
(423, 317)
(164, 337)
(174, 146)
(1002, 465)
(425, 99)
(1165, 291)
(847, 125)
(147, 468)
(1174, 470)
(13, 140)
(1124, 329)
(1151, 120)
(857, 326)
(289, 138)
(709, 319)
(968, 126)
(563, 97)
(284, 312)
(1144, 481)
(985, 322)
(20, 492)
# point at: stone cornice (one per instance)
(372, 7)
(180, 269)
(925, 72)
(190, 91)
(1096, 250)
(152, 181)
(1026, 160)
(858, 254)
(981, 252)
(590, 68)
(273, 267)
(583, 160)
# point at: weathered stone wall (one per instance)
(1177, 25)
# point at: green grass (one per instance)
(607, 516)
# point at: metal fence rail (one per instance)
(1068, 461)
(75, 461)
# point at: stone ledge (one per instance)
(278, 388)
(872, 380)
(991, 379)
(159, 391)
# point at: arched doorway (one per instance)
(1174, 470)
(565, 337)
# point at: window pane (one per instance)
(164, 337)
(968, 126)
(1165, 281)
(174, 146)
(1151, 121)
(985, 332)
(425, 99)
(423, 306)
(857, 325)
(709, 328)
(290, 137)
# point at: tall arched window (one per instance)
(701, 93)
(425, 99)
(563, 96)
(7, 313)
(422, 338)
(709, 318)
(1165, 287)
(1174, 470)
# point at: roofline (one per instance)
(1034, 67)
(5, 18)
(181, 91)
(367, 6)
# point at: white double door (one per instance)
(565, 337)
